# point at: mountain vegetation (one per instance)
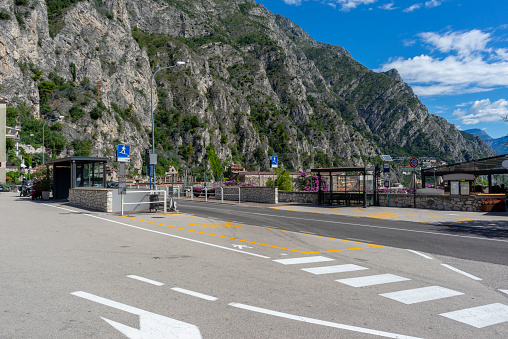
(254, 84)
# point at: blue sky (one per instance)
(454, 53)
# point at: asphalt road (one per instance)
(484, 241)
(71, 273)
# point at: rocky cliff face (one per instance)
(254, 84)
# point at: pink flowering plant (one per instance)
(310, 183)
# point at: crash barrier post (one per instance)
(222, 194)
(152, 202)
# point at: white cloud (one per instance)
(432, 3)
(388, 6)
(412, 8)
(471, 67)
(464, 43)
(345, 5)
(502, 54)
(427, 4)
(293, 2)
(483, 111)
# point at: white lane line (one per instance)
(359, 240)
(481, 316)
(108, 302)
(419, 295)
(504, 291)
(320, 322)
(461, 272)
(303, 260)
(334, 269)
(150, 281)
(372, 280)
(353, 224)
(162, 233)
(420, 254)
(195, 294)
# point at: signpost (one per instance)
(275, 164)
(275, 161)
(414, 163)
(123, 155)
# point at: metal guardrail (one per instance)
(145, 202)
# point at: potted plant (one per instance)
(494, 205)
(197, 191)
(45, 187)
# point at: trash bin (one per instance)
(153, 204)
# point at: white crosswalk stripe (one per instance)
(481, 316)
(419, 295)
(372, 280)
(334, 269)
(303, 260)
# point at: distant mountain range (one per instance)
(498, 145)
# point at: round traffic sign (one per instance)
(413, 162)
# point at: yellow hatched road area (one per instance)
(254, 235)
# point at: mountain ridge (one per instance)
(254, 84)
(499, 145)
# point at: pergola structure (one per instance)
(348, 185)
(487, 167)
(74, 172)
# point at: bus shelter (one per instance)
(348, 185)
(75, 172)
(488, 167)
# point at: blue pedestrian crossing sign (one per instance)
(275, 161)
(123, 153)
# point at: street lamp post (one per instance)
(152, 167)
(43, 126)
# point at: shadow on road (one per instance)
(483, 228)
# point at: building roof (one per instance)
(493, 165)
(342, 169)
(78, 159)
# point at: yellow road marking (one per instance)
(382, 215)
(216, 225)
(320, 236)
(257, 243)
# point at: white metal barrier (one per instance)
(222, 194)
(145, 202)
(177, 189)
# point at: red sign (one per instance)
(413, 162)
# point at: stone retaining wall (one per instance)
(300, 197)
(267, 195)
(471, 203)
(99, 199)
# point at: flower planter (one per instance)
(45, 195)
(494, 208)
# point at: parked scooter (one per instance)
(36, 191)
(26, 189)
